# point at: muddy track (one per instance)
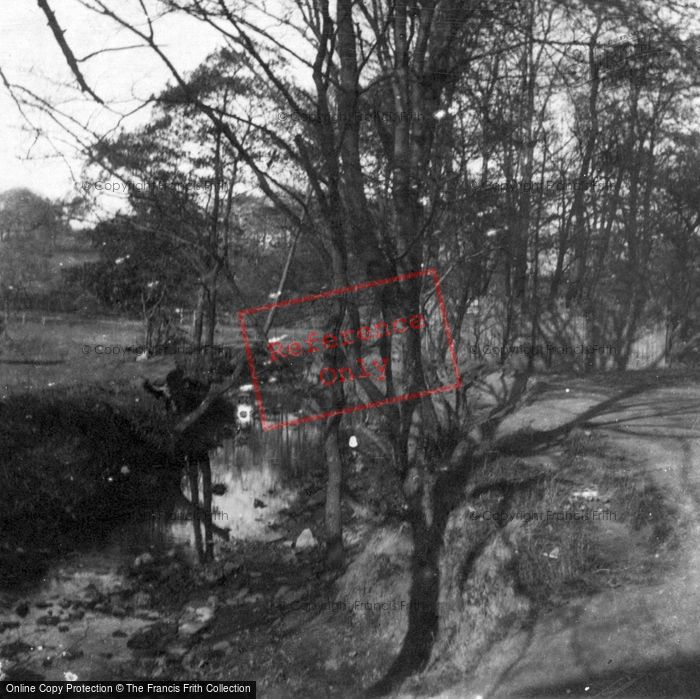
(634, 640)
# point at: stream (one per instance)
(77, 619)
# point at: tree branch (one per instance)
(66, 50)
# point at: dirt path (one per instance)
(632, 641)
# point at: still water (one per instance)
(260, 472)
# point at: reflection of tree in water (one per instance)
(182, 395)
(236, 453)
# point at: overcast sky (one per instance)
(30, 56)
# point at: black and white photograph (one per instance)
(350, 348)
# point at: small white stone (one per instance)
(353, 442)
(306, 540)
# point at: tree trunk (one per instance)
(205, 468)
(334, 522)
(211, 317)
(197, 318)
(193, 473)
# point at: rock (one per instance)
(176, 651)
(143, 560)
(204, 613)
(306, 540)
(254, 598)
(195, 621)
(221, 647)
(281, 592)
(190, 628)
(554, 553)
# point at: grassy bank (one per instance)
(72, 461)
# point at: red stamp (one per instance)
(304, 352)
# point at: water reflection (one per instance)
(253, 476)
(259, 470)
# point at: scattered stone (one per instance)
(281, 592)
(221, 647)
(143, 560)
(195, 620)
(554, 553)
(306, 540)
(176, 651)
(204, 613)
(190, 628)
(254, 598)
